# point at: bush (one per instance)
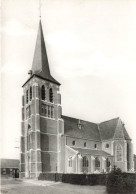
(118, 182)
(79, 179)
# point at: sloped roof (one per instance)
(107, 129)
(103, 131)
(88, 131)
(126, 136)
(9, 163)
(91, 152)
(40, 65)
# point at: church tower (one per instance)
(42, 125)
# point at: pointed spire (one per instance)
(40, 66)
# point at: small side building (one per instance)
(9, 167)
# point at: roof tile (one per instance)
(87, 131)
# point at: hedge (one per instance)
(115, 181)
(119, 182)
(80, 179)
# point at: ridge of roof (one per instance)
(93, 131)
(88, 130)
(78, 119)
(109, 120)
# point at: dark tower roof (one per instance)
(40, 65)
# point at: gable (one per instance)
(107, 129)
(126, 136)
(119, 131)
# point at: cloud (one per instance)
(15, 28)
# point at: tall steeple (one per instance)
(40, 66)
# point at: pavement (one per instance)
(32, 186)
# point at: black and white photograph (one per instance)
(68, 96)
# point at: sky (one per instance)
(91, 48)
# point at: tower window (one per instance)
(42, 108)
(85, 144)
(30, 93)
(51, 95)
(43, 92)
(52, 111)
(26, 96)
(73, 142)
(47, 110)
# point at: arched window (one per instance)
(108, 164)
(28, 137)
(119, 153)
(97, 163)
(84, 144)
(30, 93)
(85, 161)
(26, 96)
(50, 95)
(43, 92)
(70, 162)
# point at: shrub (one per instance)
(118, 182)
(79, 179)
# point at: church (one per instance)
(52, 142)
